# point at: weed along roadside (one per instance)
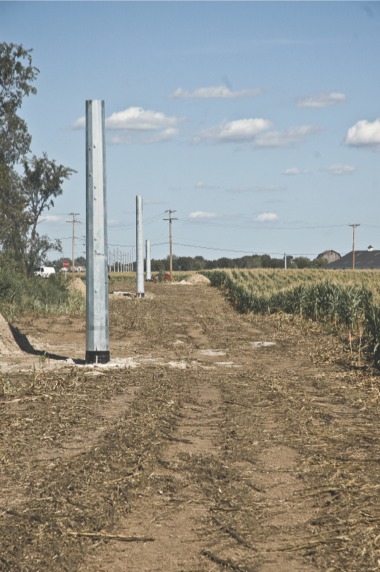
(217, 440)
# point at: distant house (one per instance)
(364, 260)
(329, 256)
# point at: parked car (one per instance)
(44, 271)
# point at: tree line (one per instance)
(188, 263)
(28, 184)
(196, 263)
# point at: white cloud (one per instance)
(236, 131)
(137, 120)
(256, 131)
(364, 133)
(266, 217)
(140, 119)
(292, 171)
(202, 214)
(286, 138)
(295, 171)
(80, 123)
(338, 169)
(322, 100)
(205, 186)
(54, 219)
(119, 139)
(164, 135)
(217, 92)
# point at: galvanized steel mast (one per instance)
(139, 248)
(97, 318)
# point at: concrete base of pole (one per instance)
(97, 357)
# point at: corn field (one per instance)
(343, 299)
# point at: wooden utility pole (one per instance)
(73, 221)
(170, 219)
(353, 244)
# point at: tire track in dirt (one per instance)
(269, 471)
(171, 508)
(195, 474)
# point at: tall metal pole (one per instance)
(148, 265)
(353, 244)
(139, 248)
(170, 219)
(97, 318)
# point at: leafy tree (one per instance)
(302, 262)
(80, 261)
(319, 263)
(17, 75)
(224, 262)
(13, 222)
(42, 183)
(289, 262)
(266, 261)
(23, 198)
(157, 265)
(184, 263)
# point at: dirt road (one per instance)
(215, 441)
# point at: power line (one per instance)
(239, 251)
(260, 227)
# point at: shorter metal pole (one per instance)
(139, 249)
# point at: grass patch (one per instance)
(37, 296)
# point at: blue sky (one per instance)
(258, 123)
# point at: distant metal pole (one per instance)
(148, 270)
(97, 318)
(139, 248)
(285, 262)
(353, 244)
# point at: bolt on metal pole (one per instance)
(139, 248)
(148, 266)
(97, 318)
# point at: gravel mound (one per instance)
(198, 279)
(77, 285)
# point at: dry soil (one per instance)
(212, 441)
